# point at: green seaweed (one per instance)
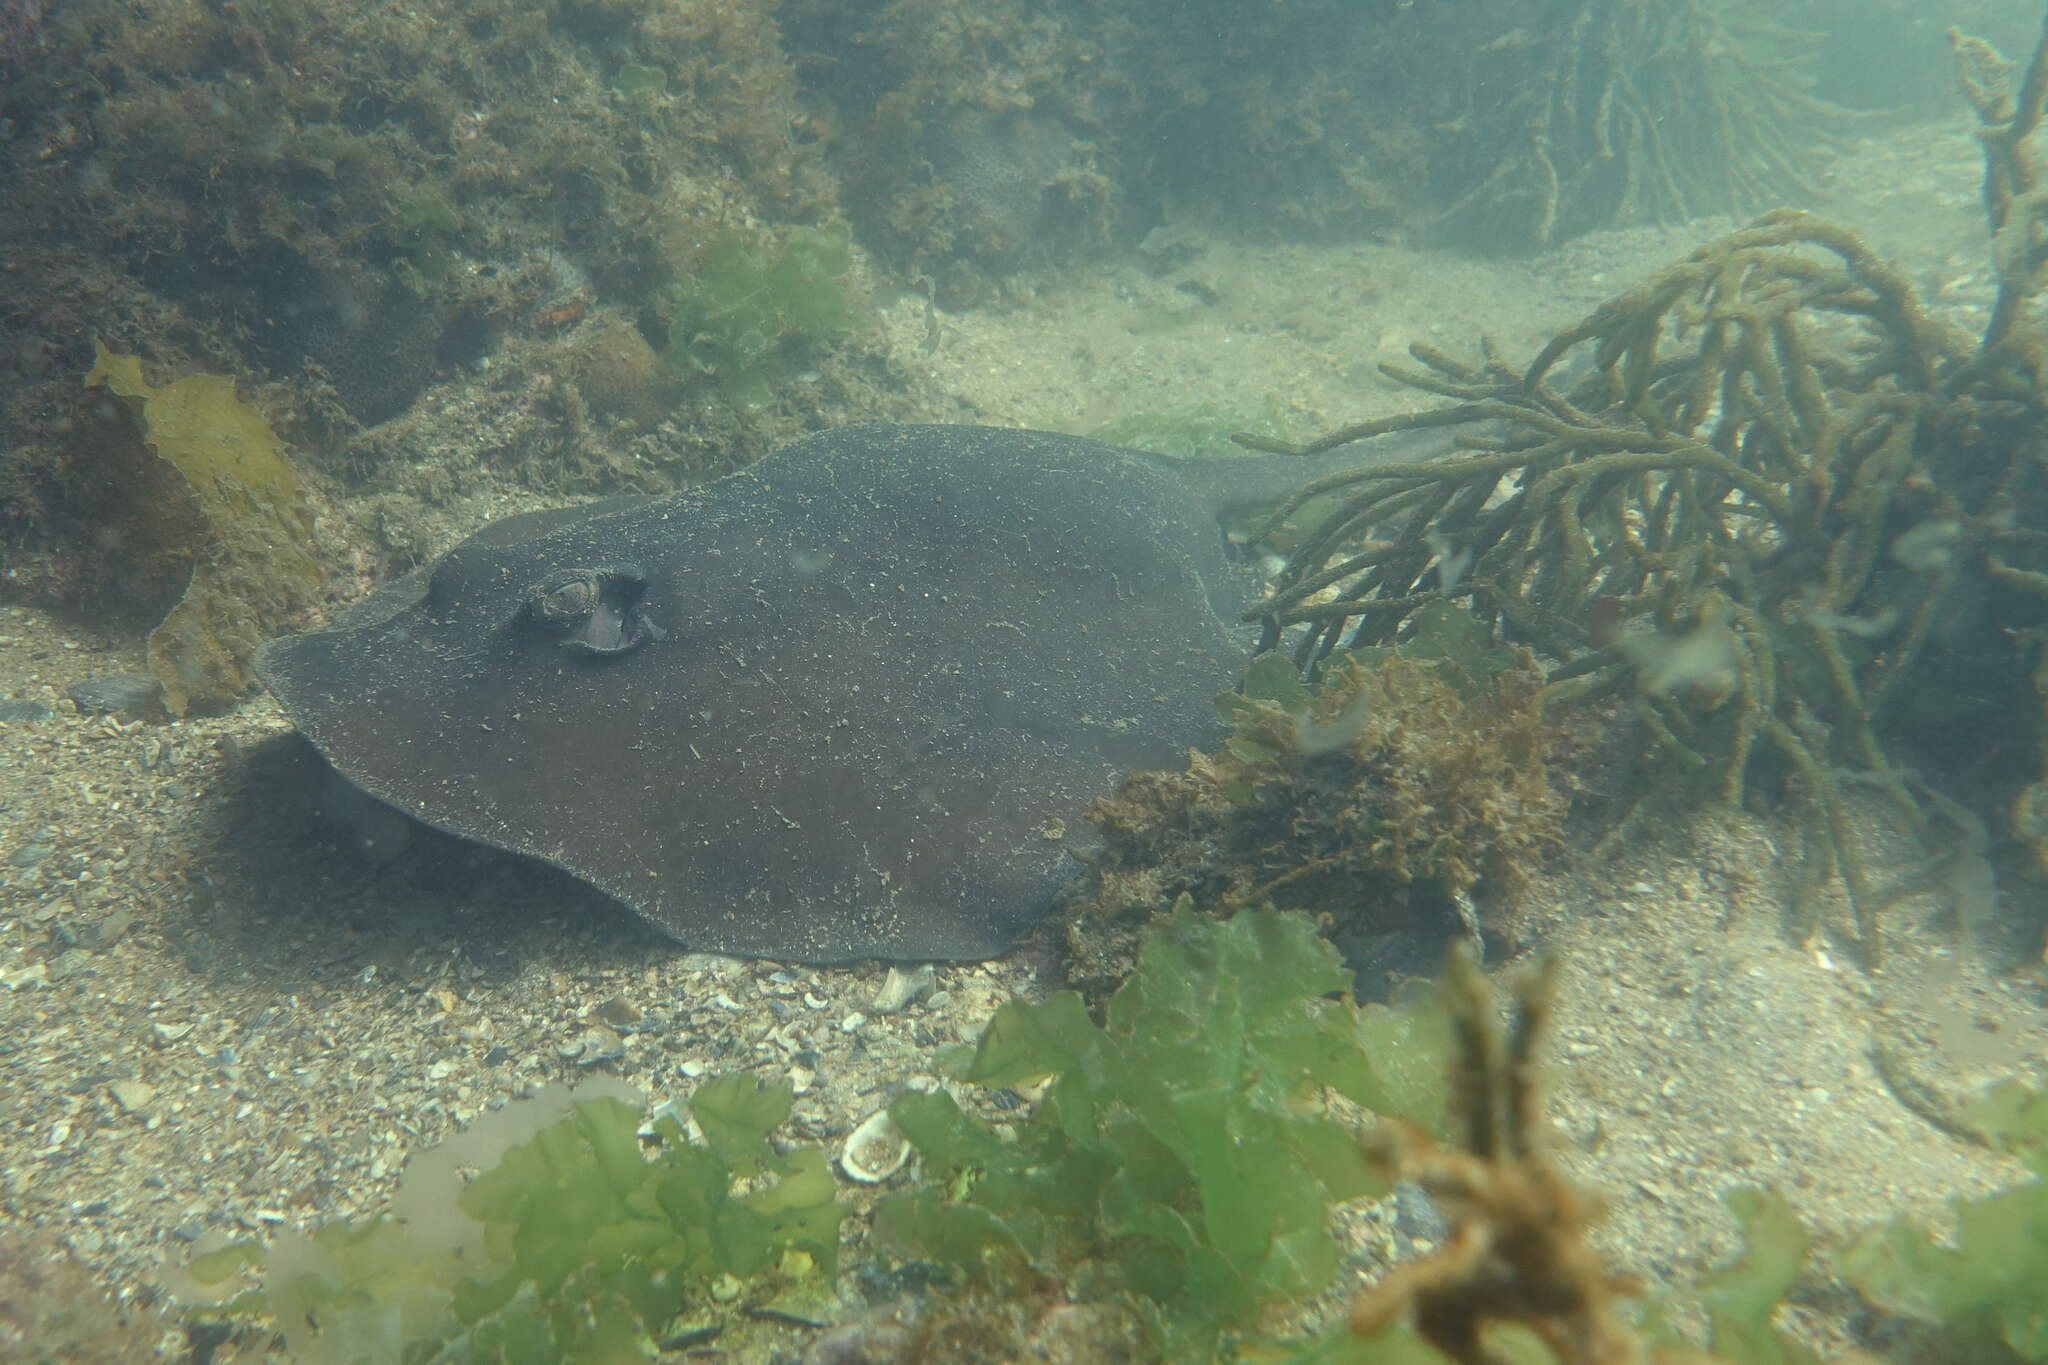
(1180, 1153)
(749, 303)
(419, 231)
(1176, 1174)
(1987, 1288)
(259, 564)
(581, 1244)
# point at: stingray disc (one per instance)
(851, 701)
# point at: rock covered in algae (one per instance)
(254, 563)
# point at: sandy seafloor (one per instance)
(214, 1020)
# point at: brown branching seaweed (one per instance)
(2004, 387)
(2015, 201)
(1518, 1250)
(1768, 457)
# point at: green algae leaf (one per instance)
(1452, 635)
(636, 80)
(750, 301)
(1273, 677)
(592, 1242)
(800, 1211)
(737, 1113)
(1179, 1147)
(963, 1235)
(1267, 966)
(215, 1267)
(2013, 1117)
(1410, 1045)
(1990, 1287)
(1025, 1042)
(1341, 1346)
(1741, 1297)
(259, 564)
(985, 1209)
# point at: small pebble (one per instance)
(26, 978)
(133, 1096)
(1416, 1214)
(110, 930)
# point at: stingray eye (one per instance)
(564, 602)
(593, 611)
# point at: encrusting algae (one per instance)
(254, 562)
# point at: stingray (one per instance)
(851, 701)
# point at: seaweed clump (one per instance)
(1764, 505)
(578, 1242)
(1167, 1194)
(1186, 1151)
(1184, 1157)
(749, 304)
(1385, 795)
(1764, 499)
(250, 558)
(1987, 1286)
(1518, 1257)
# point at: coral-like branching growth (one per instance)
(1748, 504)
(1793, 520)
(1517, 1250)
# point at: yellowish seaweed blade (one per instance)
(260, 564)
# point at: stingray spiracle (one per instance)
(593, 610)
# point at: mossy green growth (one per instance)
(752, 301)
(1989, 1287)
(260, 563)
(420, 230)
(1183, 1155)
(583, 1244)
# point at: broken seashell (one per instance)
(875, 1150)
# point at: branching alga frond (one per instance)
(1713, 495)
(1518, 1250)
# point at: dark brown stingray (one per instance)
(851, 701)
